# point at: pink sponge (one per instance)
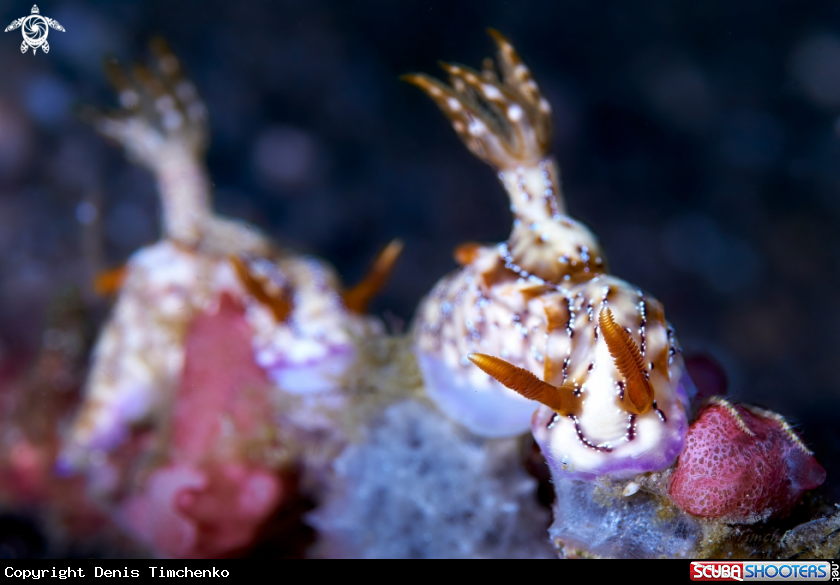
(742, 463)
(210, 511)
(211, 498)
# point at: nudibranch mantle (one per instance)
(604, 438)
(464, 315)
(138, 359)
(535, 301)
(315, 346)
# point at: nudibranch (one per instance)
(547, 326)
(303, 329)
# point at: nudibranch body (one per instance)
(622, 426)
(309, 348)
(601, 363)
(303, 331)
(465, 314)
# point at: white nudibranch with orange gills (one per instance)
(304, 326)
(539, 315)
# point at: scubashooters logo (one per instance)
(35, 29)
(764, 571)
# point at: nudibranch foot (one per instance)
(484, 406)
(483, 308)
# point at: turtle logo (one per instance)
(35, 30)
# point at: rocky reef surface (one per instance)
(419, 486)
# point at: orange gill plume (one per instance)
(162, 124)
(502, 121)
(276, 298)
(357, 297)
(505, 121)
(562, 400)
(164, 97)
(638, 394)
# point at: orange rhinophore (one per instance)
(109, 282)
(279, 302)
(562, 400)
(466, 253)
(638, 394)
(357, 298)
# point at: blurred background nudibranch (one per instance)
(210, 325)
(699, 141)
